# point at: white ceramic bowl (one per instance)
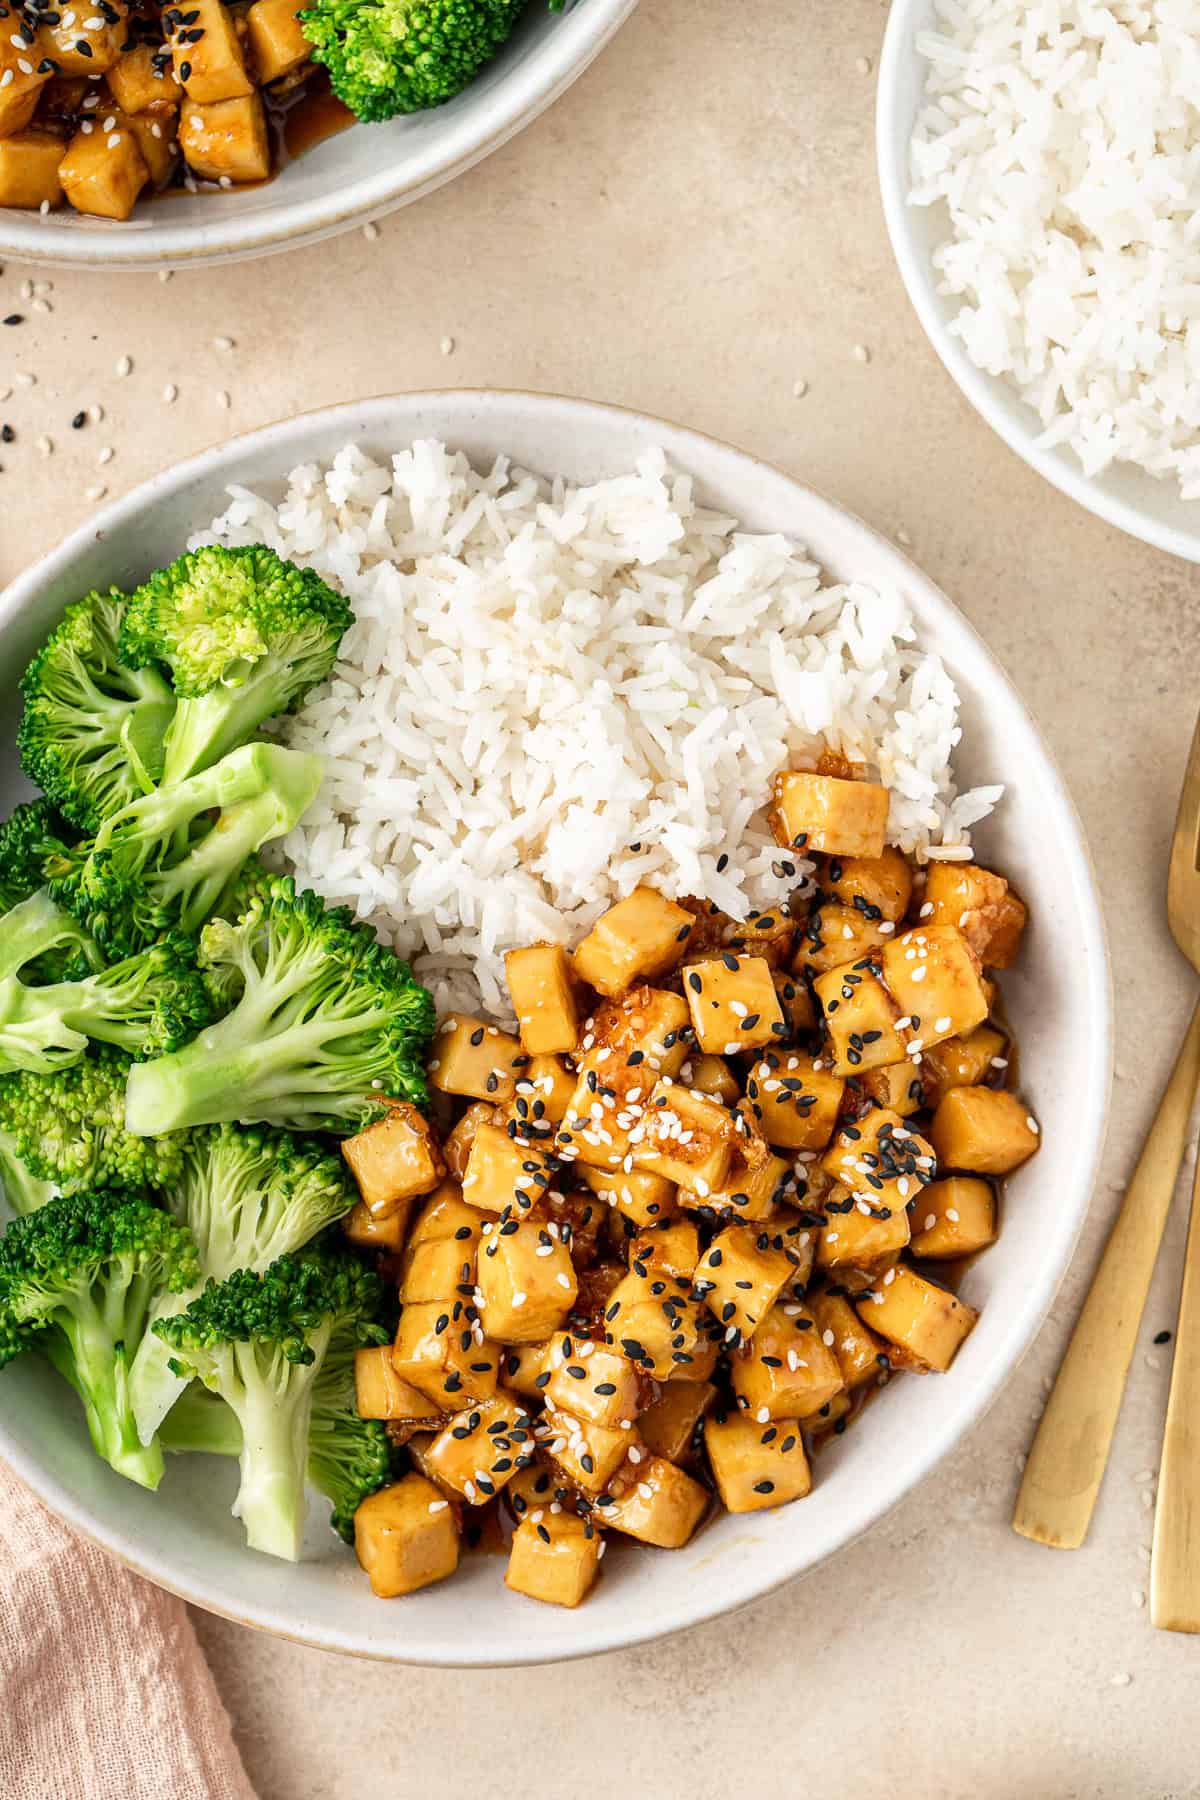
(183, 1537)
(1124, 495)
(352, 178)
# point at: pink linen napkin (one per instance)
(104, 1690)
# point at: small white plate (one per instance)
(1058, 998)
(360, 175)
(1124, 495)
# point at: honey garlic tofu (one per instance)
(555, 1557)
(29, 168)
(226, 140)
(925, 1320)
(636, 940)
(103, 172)
(987, 1131)
(278, 46)
(629, 1045)
(406, 1537)
(786, 1371)
(733, 1004)
(476, 1060)
(822, 813)
(754, 1464)
(979, 904)
(654, 1501)
(394, 1159)
(687, 1138)
(210, 63)
(541, 983)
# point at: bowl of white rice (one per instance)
(584, 640)
(1038, 162)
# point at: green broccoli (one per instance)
(23, 1190)
(91, 734)
(249, 1196)
(400, 56)
(79, 1279)
(68, 1128)
(33, 832)
(147, 1005)
(244, 634)
(259, 1341)
(348, 1457)
(328, 1022)
(161, 863)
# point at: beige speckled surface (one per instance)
(691, 230)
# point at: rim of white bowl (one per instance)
(988, 394)
(365, 418)
(470, 135)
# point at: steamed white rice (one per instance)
(551, 694)
(1062, 140)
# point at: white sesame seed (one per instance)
(371, 233)
(799, 388)
(763, 1415)
(222, 343)
(437, 1506)
(106, 455)
(1121, 1680)
(223, 399)
(861, 353)
(45, 446)
(1032, 1124)
(863, 65)
(169, 396)
(942, 1024)
(165, 275)
(447, 346)
(124, 365)
(1137, 1596)
(96, 493)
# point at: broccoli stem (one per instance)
(24, 1191)
(274, 1418)
(199, 882)
(30, 929)
(99, 1373)
(154, 1387)
(207, 727)
(201, 1423)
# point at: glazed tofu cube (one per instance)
(638, 939)
(986, 1131)
(796, 1004)
(476, 1060)
(87, 40)
(771, 935)
(502, 1171)
(538, 1484)
(626, 1047)
(456, 1150)
(278, 45)
(860, 1231)
(441, 1350)
(637, 1195)
(587, 1454)
(655, 1322)
(860, 1354)
(670, 1427)
(226, 139)
(654, 1501)
(925, 1320)
(795, 1233)
(834, 935)
(445, 1214)
(670, 1249)
(740, 1277)
(103, 172)
(879, 887)
(142, 78)
(210, 63)
(785, 1371)
(29, 168)
(592, 1382)
(963, 1062)
(981, 905)
(381, 1394)
(544, 1092)
(21, 80)
(934, 976)
(687, 1138)
(754, 1465)
(901, 1088)
(861, 1018)
(796, 1099)
(881, 1159)
(482, 1448)
(370, 1232)
(157, 135)
(406, 1537)
(437, 1269)
(710, 1075)
(541, 983)
(394, 1159)
(749, 1194)
(554, 1558)
(525, 1368)
(954, 1218)
(823, 813)
(527, 1284)
(733, 1004)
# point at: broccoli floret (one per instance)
(91, 734)
(33, 832)
(68, 1128)
(79, 1279)
(249, 1196)
(146, 1005)
(401, 56)
(244, 634)
(348, 1457)
(328, 1022)
(162, 862)
(259, 1340)
(23, 1190)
